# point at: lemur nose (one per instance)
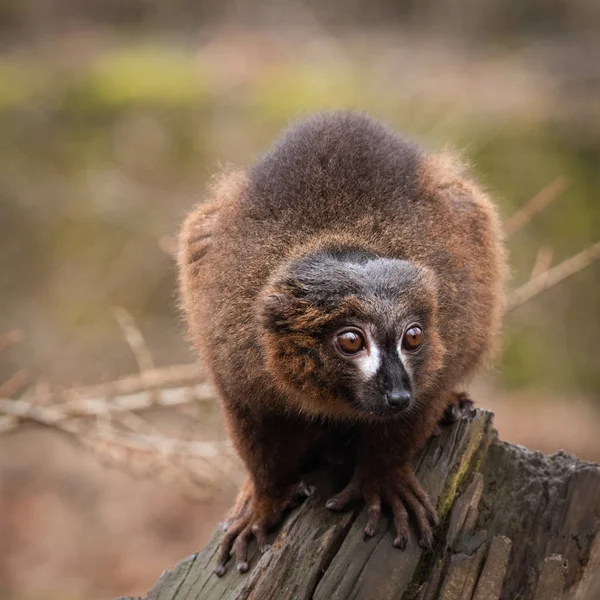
(398, 398)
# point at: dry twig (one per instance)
(29, 408)
(550, 277)
(198, 465)
(14, 383)
(157, 379)
(543, 261)
(165, 446)
(135, 339)
(102, 418)
(538, 203)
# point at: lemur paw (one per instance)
(253, 516)
(460, 403)
(402, 492)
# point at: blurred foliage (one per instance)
(129, 78)
(106, 143)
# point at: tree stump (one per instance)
(514, 524)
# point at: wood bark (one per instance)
(514, 524)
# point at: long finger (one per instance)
(227, 544)
(400, 522)
(422, 497)
(241, 549)
(374, 513)
(259, 532)
(350, 493)
(305, 490)
(418, 511)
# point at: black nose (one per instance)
(398, 398)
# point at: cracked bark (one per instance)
(514, 524)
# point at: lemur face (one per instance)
(382, 364)
(350, 330)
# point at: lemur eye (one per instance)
(350, 341)
(413, 338)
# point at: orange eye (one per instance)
(413, 338)
(351, 341)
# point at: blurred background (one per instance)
(114, 115)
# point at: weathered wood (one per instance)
(551, 583)
(514, 524)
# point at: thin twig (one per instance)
(85, 415)
(29, 408)
(136, 423)
(538, 203)
(552, 276)
(194, 465)
(157, 379)
(27, 411)
(14, 383)
(543, 261)
(53, 417)
(41, 392)
(165, 446)
(135, 339)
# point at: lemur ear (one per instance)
(277, 308)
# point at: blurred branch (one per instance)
(24, 410)
(102, 418)
(156, 379)
(543, 261)
(135, 339)
(167, 446)
(177, 385)
(550, 277)
(97, 424)
(538, 203)
(14, 383)
(29, 408)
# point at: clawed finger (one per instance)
(238, 540)
(296, 493)
(423, 498)
(451, 415)
(306, 490)
(420, 514)
(252, 521)
(455, 410)
(227, 543)
(241, 550)
(349, 494)
(464, 401)
(260, 535)
(374, 513)
(400, 522)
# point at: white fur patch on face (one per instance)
(400, 352)
(369, 363)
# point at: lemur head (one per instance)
(352, 334)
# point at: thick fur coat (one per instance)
(342, 220)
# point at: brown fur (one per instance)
(336, 183)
